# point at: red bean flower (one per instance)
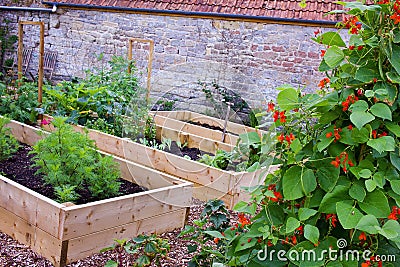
(323, 82)
(271, 106)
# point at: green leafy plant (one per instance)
(220, 160)
(69, 160)
(147, 248)
(8, 144)
(181, 145)
(19, 101)
(252, 151)
(165, 104)
(165, 143)
(337, 187)
(66, 193)
(111, 126)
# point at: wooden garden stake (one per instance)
(226, 120)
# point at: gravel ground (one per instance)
(13, 254)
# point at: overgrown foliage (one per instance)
(19, 101)
(101, 99)
(69, 161)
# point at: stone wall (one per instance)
(252, 59)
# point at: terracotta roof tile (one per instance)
(314, 10)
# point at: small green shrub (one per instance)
(206, 234)
(8, 144)
(69, 160)
(66, 193)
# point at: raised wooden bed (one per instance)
(64, 233)
(190, 122)
(209, 182)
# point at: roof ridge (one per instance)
(284, 9)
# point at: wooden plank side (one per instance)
(184, 126)
(146, 176)
(178, 166)
(87, 245)
(97, 216)
(180, 115)
(232, 127)
(250, 179)
(30, 206)
(25, 133)
(30, 235)
(193, 141)
(206, 193)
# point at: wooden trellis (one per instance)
(41, 53)
(150, 63)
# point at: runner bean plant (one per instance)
(338, 185)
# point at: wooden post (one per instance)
(41, 57)
(20, 48)
(150, 63)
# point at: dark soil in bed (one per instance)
(193, 153)
(18, 168)
(205, 125)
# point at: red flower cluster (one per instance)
(396, 15)
(350, 100)
(342, 159)
(333, 219)
(383, 2)
(353, 24)
(323, 82)
(323, 53)
(293, 239)
(279, 115)
(278, 195)
(317, 32)
(289, 138)
(376, 135)
(243, 220)
(394, 213)
(335, 133)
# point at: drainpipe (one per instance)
(20, 8)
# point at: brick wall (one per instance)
(251, 59)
